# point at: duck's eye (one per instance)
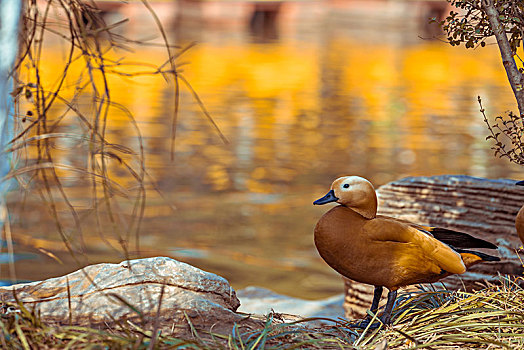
(346, 186)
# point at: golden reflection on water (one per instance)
(296, 114)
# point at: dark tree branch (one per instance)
(514, 76)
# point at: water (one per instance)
(297, 111)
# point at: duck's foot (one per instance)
(363, 324)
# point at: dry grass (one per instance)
(487, 319)
(491, 318)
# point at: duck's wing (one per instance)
(459, 239)
(392, 230)
(450, 237)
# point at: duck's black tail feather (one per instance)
(484, 257)
(459, 239)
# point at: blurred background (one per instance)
(303, 91)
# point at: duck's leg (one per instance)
(386, 316)
(374, 309)
(376, 298)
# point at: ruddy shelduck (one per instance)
(384, 251)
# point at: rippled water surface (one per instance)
(297, 112)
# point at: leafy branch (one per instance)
(505, 132)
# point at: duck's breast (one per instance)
(345, 245)
(340, 243)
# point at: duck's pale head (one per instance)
(353, 192)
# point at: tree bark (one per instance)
(515, 78)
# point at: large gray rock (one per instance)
(482, 207)
(133, 290)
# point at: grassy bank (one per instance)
(491, 318)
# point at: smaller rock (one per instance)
(256, 300)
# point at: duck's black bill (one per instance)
(520, 183)
(328, 198)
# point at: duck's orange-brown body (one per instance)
(382, 251)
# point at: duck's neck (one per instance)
(368, 208)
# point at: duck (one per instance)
(519, 220)
(384, 251)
